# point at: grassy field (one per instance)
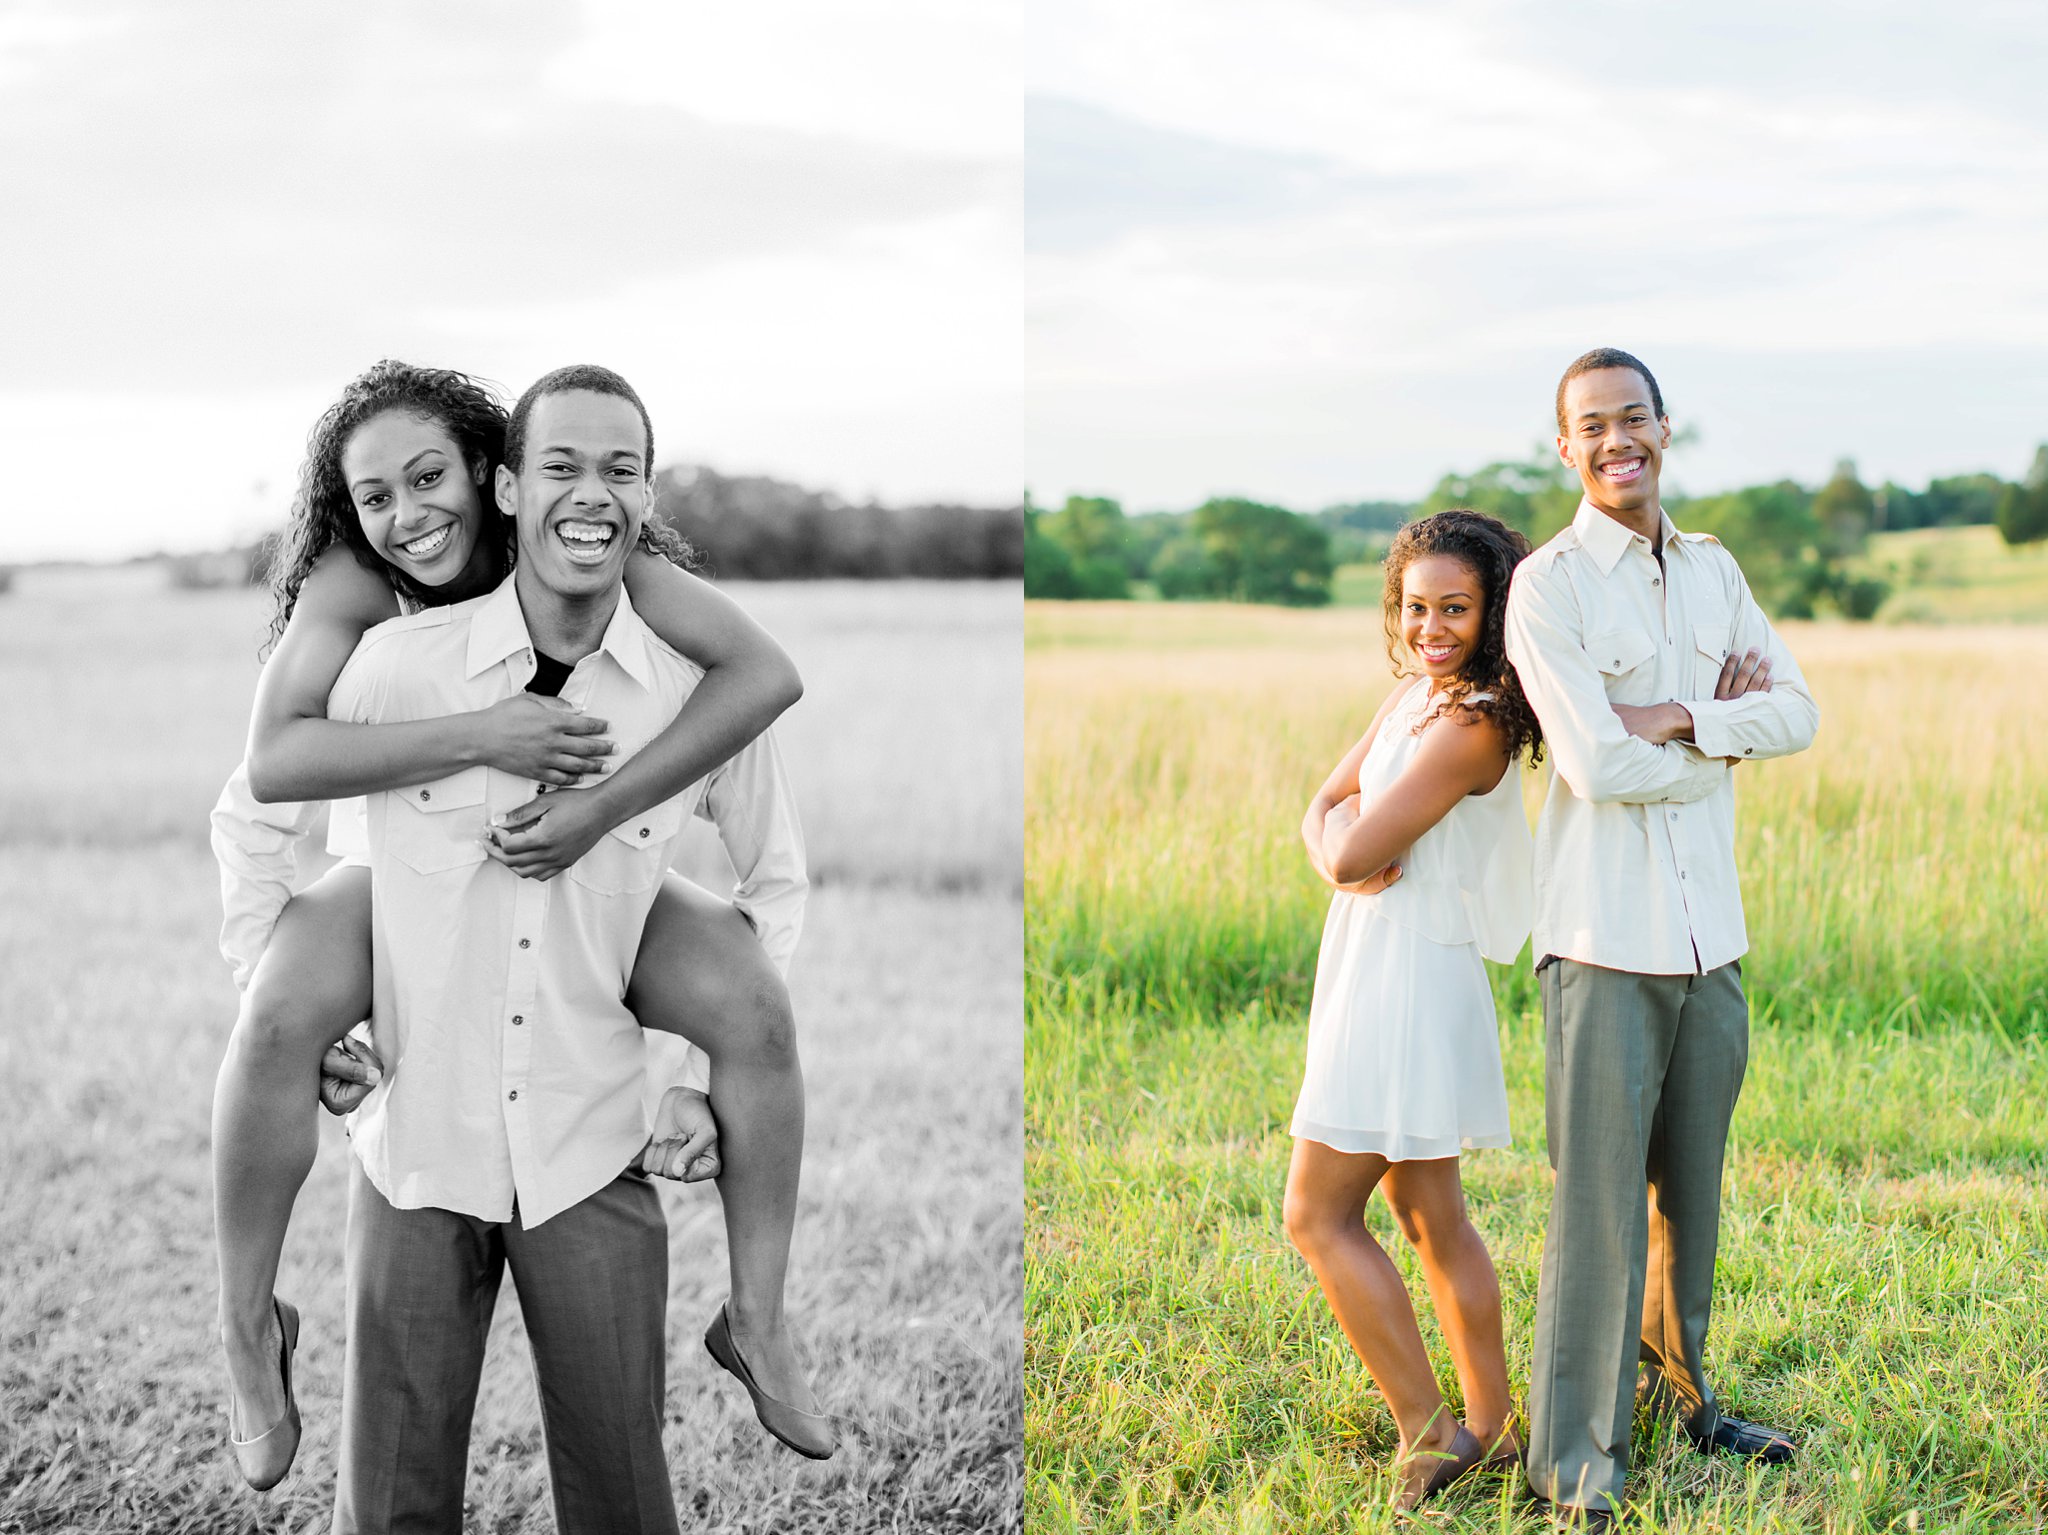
(1886, 1216)
(114, 1008)
(1959, 575)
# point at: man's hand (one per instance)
(685, 1140)
(1749, 672)
(545, 835)
(348, 1071)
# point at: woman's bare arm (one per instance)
(297, 753)
(1343, 780)
(1464, 753)
(748, 682)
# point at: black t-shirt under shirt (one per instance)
(548, 675)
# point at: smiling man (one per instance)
(1653, 671)
(514, 1076)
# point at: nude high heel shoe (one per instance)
(265, 1459)
(808, 1433)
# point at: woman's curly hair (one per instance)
(1491, 550)
(323, 515)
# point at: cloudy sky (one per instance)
(1316, 250)
(794, 226)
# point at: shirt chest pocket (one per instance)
(434, 827)
(1627, 663)
(1710, 650)
(631, 856)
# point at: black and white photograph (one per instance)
(511, 878)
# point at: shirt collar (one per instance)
(1606, 540)
(498, 632)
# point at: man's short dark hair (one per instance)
(577, 376)
(1600, 357)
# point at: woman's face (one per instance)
(1442, 611)
(419, 504)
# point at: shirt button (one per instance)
(513, 1095)
(425, 795)
(517, 1019)
(1656, 581)
(1747, 750)
(1674, 816)
(1681, 875)
(643, 831)
(525, 943)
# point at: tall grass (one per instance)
(1885, 1216)
(1898, 870)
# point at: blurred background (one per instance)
(796, 229)
(1329, 263)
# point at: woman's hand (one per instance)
(546, 834)
(685, 1140)
(533, 736)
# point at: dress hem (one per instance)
(1394, 1147)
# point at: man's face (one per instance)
(1614, 438)
(583, 494)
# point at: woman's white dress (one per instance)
(1403, 1053)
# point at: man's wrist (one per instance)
(1679, 725)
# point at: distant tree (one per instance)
(1092, 531)
(1182, 570)
(1262, 553)
(1844, 509)
(1048, 568)
(1536, 496)
(1146, 535)
(1773, 533)
(1960, 499)
(2022, 511)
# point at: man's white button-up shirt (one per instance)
(512, 1066)
(1635, 846)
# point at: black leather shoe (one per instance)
(1752, 1441)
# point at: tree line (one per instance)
(752, 528)
(1799, 547)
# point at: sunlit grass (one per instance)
(1885, 1220)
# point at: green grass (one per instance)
(1959, 575)
(1885, 1221)
(115, 1006)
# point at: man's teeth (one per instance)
(428, 543)
(1623, 469)
(593, 533)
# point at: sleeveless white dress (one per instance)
(1403, 1053)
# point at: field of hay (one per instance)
(130, 705)
(1886, 1215)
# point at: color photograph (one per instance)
(1536, 844)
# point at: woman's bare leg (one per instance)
(702, 973)
(1428, 1201)
(1325, 1215)
(311, 986)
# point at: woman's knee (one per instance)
(1429, 1223)
(280, 1017)
(1313, 1223)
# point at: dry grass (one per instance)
(114, 1007)
(1886, 1207)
